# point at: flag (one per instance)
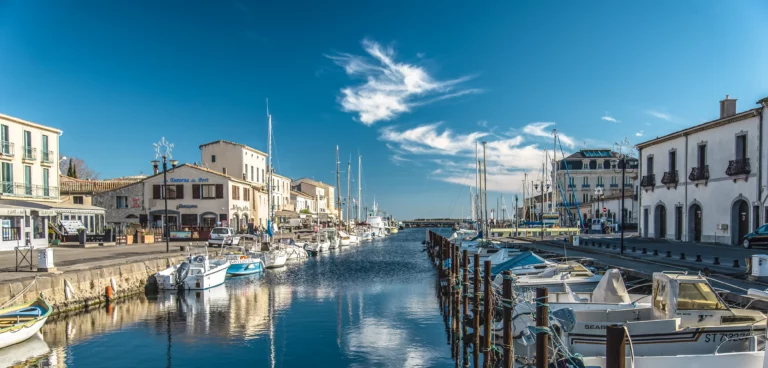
(269, 228)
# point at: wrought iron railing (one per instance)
(648, 181)
(699, 173)
(30, 153)
(670, 177)
(738, 167)
(28, 190)
(599, 185)
(614, 185)
(585, 185)
(6, 148)
(47, 156)
(571, 185)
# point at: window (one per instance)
(6, 145)
(208, 191)
(246, 194)
(245, 173)
(46, 189)
(235, 192)
(599, 180)
(585, 181)
(213, 158)
(613, 180)
(28, 180)
(672, 161)
(46, 157)
(27, 144)
(698, 296)
(121, 202)
(174, 191)
(77, 199)
(7, 178)
(188, 220)
(649, 166)
(251, 172)
(702, 159)
(38, 227)
(209, 220)
(224, 171)
(741, 147)
(592, 164)
(263, 178)
(570, 180)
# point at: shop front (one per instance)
(24, 227)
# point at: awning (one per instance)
(46, 212)
(78, 211)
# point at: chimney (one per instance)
(155, 166)
(727, 107)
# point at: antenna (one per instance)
(267, 106)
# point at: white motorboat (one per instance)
(332, 236)
(553, 277)
(366, 235)
(344, 239)
(196, 273)
(749, 359)
(686, 317)
(319, 243)
(292, 251)
(242, 262)
(274, 258)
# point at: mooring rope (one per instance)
(22, 292)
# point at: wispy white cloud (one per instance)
(639, 134)
(482, 123)
(608, 117)
(662, 115)
(537, 129)
(391, 88)
(428, 139)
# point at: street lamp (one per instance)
(622, 164)
(517, 218)
(541, 212)
(163, 149)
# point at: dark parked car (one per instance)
(758, 237)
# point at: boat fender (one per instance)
(243, 257)
(113, 284)
(69, 291)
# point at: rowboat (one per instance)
(20, 322)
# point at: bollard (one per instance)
(634, 249)
(655, 252)
(615, 345)
(736, 263)
(682, 256)
(614, 247)
(717, 261)
(542, 321)
(669, 254)
(488, 305)
(645, 251)
(698, 258)
(599, 244)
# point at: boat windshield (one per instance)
(698, 296)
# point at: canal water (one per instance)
(372, 305)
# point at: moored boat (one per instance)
(242, 262)
(196, 273)
(20, 322)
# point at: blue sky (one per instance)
(410, 85)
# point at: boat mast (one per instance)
(476, 206)
(359, 187)
(269, 168)
(485, 194)
(525, 209)
(543, 183)
(338, 188)
(349, 182)
(554, 175)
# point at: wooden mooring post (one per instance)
(488, 306)
(615, 343)
(449, 297)
(476, 314)
(509, 350)
(456, 262)
(465, 303)
(542, 322)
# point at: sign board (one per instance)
(71, 226)
(13, 211)
(551, 218)
(181, 235)
(605, 209)
(46, 212)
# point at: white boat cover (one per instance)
(611, 289)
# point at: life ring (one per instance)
(200, 259)
(243, 257)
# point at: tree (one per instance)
(76, 168)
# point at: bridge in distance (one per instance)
(439, 222)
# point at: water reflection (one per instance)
(370, 305)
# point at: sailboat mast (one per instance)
(338, 187)
(359, 187)
(554, 175)
(485, 180)
(476, 206)
(269, 166)
(479, 196)
(349, 182)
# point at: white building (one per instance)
(325, 193)
(235, 159)
(281, 192)
(581, 173)
(706, 183)
(303, 202)
(198, 197)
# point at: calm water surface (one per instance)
(372, 305)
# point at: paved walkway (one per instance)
(69, 259)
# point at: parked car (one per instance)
(757, 237)
(223, 236)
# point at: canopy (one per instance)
(611, 289)
(523, 259)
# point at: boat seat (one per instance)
(9, 321)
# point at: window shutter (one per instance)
(180, 191)
(155, 192)
(234, 196)
(195, 191)
(219, 191)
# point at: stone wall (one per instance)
(89, 285)
(108, 201)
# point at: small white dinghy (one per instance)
(196, 273)
(20, 322)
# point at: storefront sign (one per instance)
(181, 235)
(188, 180)
(13, 212)
(46, 212)
(178, 207)
(239, 208)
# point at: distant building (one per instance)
(706, 183)
(327, 198)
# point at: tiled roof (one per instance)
(72, 185)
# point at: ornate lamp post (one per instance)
(621, 165)
(163, 149)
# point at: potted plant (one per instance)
(148, 237)
(81, 236)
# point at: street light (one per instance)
(622, 163)
(163, 149)
(541, 212)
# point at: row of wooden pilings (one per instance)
(456, 299)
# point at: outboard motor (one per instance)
(181, 273)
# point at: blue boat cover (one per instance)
(523, 259)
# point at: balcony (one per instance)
(28, 191)
(47, 157)
(648, 181)
(599, 185)
(699, 174)
(670, 179)
(6, 148)
(585, 186)
(738, 167)
(627, 185)
(614, 185)
(30, 153)
(572, 186)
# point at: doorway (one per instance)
(660, 222)
(645, 222)
(739, 221)
(694, 221)
(678, 223)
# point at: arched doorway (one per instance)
(739, 220)
(244, 221)
(235, 222)
(660, 222)
(694, 222)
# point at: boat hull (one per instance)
(166, 279)
(245, 268)
(275, 260)
(12, 338)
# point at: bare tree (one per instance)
(76, 168)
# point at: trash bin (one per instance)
(575, 240)
(45, 260)
(760, 265)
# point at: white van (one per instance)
(221, 234)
